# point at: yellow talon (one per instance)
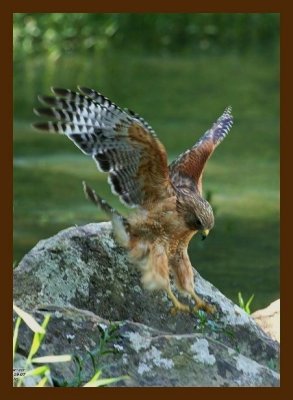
(209, 308)
(178, 306)
(202, 305)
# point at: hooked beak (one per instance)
(204, 234)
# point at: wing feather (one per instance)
(119, 141)
(187, 169)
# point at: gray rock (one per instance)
(86, 277)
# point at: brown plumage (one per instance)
(169, 207)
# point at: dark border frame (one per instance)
(232, 6)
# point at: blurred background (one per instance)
(179, 71)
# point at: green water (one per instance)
(180, 97)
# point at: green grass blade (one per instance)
(29, 320)
(105, 382)
(44, 326)
(46, 321)
(34, 347)
(240, 300)
(15, 334)
(247, 306)
(42, 382)
(38, 338)
(52, 359)
(38, 371)
(94, 379)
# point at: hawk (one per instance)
(169, 208)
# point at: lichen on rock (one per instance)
(84, 279)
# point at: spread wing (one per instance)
(187, 169)
(120, 142)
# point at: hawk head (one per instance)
(197, 212)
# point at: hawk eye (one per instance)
(197, 221)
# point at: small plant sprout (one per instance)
(203, 319)
(243, 305)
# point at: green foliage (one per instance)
(37, 340)
(243, 305)
(273, 364)
(108, 337)
(43, 373)
(15, 334)
(202, 320)
(96, 381)
(54, 34)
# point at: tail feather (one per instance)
(120, 224)
(97, 200)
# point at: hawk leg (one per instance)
(201, 304)
(177, 305)
(184, 277)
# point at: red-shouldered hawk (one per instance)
(169, 205)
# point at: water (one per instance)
(180, 97)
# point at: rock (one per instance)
(269, 319)
(148, 356)
(83, 277)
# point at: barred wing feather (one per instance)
(120, 142)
